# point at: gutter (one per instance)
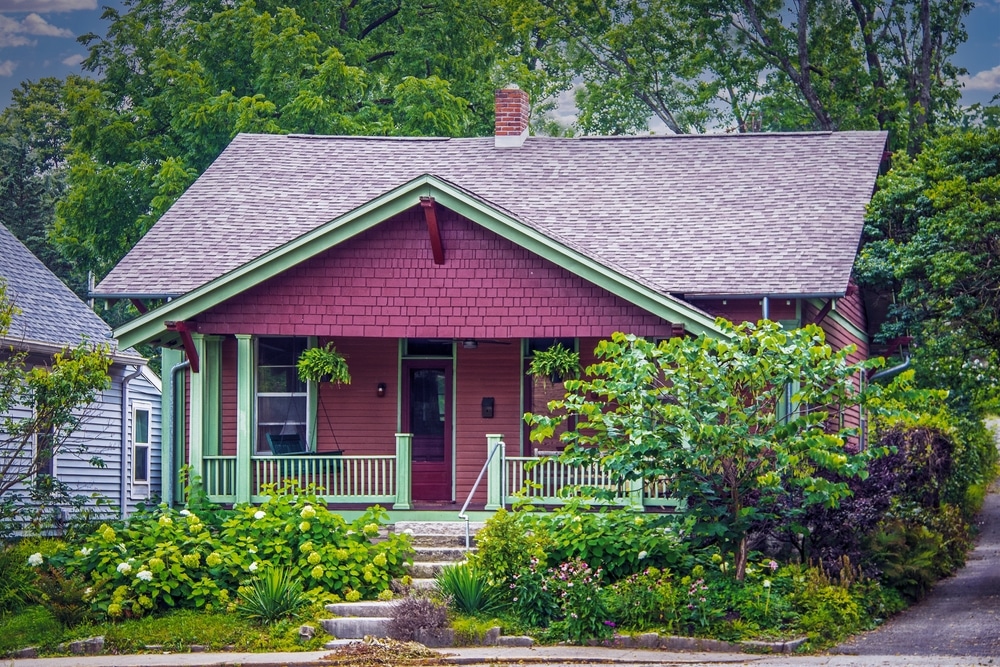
(124, 468)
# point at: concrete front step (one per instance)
(437, 533)
(428, 569)
(356, 620)
(439, 554)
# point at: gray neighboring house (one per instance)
(53, 318)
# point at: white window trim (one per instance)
(261, 449)
(148, 408)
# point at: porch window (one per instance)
(282, 398)
(140, 443)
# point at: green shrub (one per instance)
(65, 595)
(600, 539)
(271, 596)
(578, 590)
(532, 599)
(505, 546)
(468, 588)
(167, 559)
(829, 612)
(17, 578)
(909, 556)
(643, 600)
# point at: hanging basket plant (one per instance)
(323, 364)
(555, 364)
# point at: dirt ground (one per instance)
(960, 616)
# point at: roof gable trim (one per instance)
(151, 325)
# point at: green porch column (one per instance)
(171, 427)
(244, 415)
(495, 490)
(404, 479)
(196, 438)
(211, 369)
(635, 494)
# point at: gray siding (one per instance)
(144, 389)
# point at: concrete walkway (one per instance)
(961, 615)
(487, 656)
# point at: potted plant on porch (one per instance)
(323, 364)
(555, 364)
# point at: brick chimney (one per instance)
(512, 111)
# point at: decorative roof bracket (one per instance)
(184, 331)
(430, 215)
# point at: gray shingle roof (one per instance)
(691, 215)
(51, 314)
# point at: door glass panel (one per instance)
(427, 413)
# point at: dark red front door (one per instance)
(427, 415)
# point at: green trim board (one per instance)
(151, 325)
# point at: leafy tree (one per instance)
(817, 64)
(180, 79)
(41, 405)
(933, 240)
(708, 416)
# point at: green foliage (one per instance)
(643, 600)
(555, 363)
(505, 546)
(271, 596)
(578, 589)
(32, 626)
(908, 555)
(64, 595)
(164, 558)
(468, 589)
(532, 599)
(706, 415)
(18, 579)
(930, 239)
(600, 538)
(323, 364)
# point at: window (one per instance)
(45, 455)
(140, 443)
(282, 398)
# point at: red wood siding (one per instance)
(747, 310)
(384, 283)
(352, 417)
(489, 370)
(228, 408)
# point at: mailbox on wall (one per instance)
(488, 407)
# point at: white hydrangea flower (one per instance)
(36, 559)
(185, 513)
(767, 583)
(86, 551)
(259, 514)
(145, 575)
(642, 554)
(253, 566)
(124, 568)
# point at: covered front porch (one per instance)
(387, 479)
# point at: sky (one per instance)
(38, 39)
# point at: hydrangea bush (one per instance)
(167, 558)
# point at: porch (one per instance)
(387, 480)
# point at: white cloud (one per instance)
(46, 5)
(36, 25)
(19, 33)
(988, 79)
(7, 67)
(73, 60)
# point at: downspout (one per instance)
(766, 310)
(124, 466)
(891, 372)
(167, 455)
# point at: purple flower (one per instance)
(773, 565)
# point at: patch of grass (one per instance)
(32, 626)
(175, 631)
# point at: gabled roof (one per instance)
(150, 326)
(51, 316)
(692, 215)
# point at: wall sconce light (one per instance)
(380, 390)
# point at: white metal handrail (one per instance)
(462, 515)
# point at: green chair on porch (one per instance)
(285, 444)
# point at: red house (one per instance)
(438, 266)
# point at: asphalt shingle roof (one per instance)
(51, 313)
(690, 215)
